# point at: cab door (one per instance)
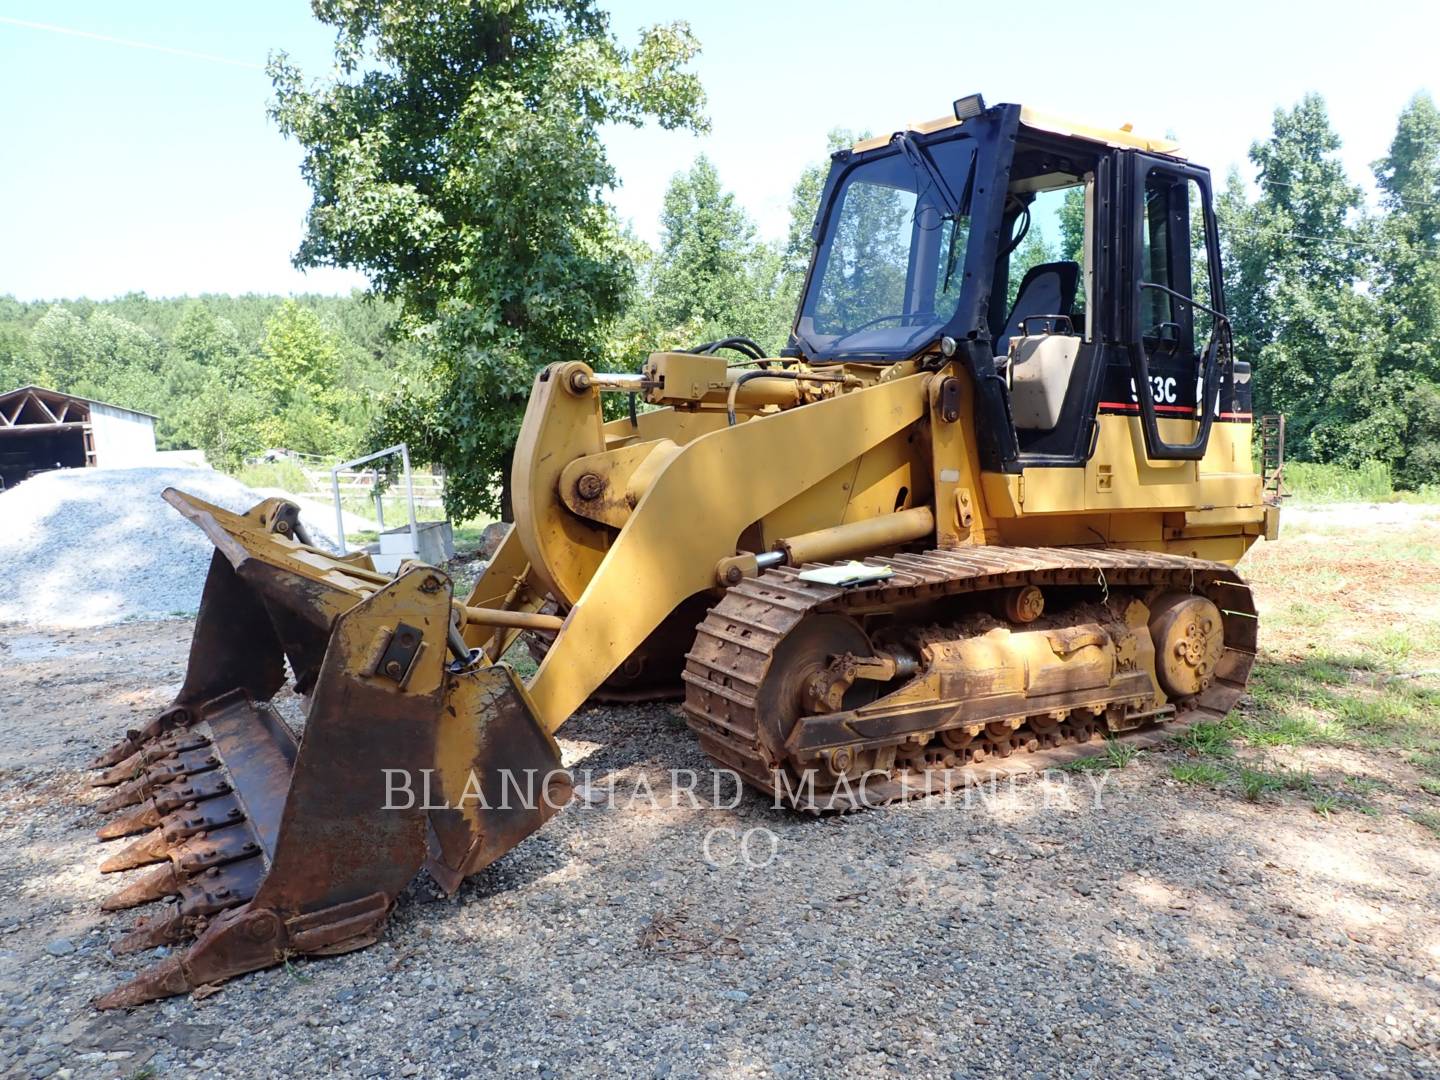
(1172, 324)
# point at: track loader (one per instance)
(980, 513)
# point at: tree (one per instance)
(1033, 251)
(1072, 225)
(294, 379)
(1293, 261)
(204, 353)
(707, 243)
(457, 161)
(13, 365)
(711, 277)
(1404, 385)
(805, 203)
(102, 356)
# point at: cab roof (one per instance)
(1045, 121)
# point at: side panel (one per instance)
(690, 518)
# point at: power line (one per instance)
(1384, 195)
(128, 43)
(1259, 230)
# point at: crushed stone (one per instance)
(91, 547)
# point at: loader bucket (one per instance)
(258, 846)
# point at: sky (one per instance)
(156, 169)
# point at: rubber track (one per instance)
(734, 644)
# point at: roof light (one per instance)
(968, 106)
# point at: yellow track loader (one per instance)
(980, 512)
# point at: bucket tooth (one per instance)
(201, 898)
(134, 765)
(150, 848)
(147, 817)
(173, 718)
(178, 825)
(174, 766)
(155, 885)
(198, 817)
(248, 938)
(126, 748)
(128, 769)
(167, 799)
(179, 763)
(130, 793)
(165, 979)
(171, 927)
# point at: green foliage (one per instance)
(1205, 738)
(285, 474)
(705, 272)
(1255, 784)
(1198, 772)
(294, 378)
(1072, 225)
(1033, 251)
(1368, 481)
(1117, 755)
(1339, 309)
(228, 375)
(1429, 819)
(457, 160)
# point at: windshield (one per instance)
(890, 263)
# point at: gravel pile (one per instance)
(88, 547)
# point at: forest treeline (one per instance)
(1335, 300)
(232, 375)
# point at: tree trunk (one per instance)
(507, 505)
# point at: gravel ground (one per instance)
(89, 547)
(1072, 925)
(1159, 931)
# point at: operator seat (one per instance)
(1047, 289)
(1038, 359)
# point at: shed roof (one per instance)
(12, 402)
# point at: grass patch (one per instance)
(1255, 784)
(1332, 700)
(1296, 780)
(1428, 762)
(1117, 755)
(1363, 785)
(295, 973)
(469, 534)
(1430, 785)
(1211, 740)
(1199, 772)
(1430, 819)
(1309, 615)
(1312, 482)
(518, 656)
(275, 474)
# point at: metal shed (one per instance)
(44, 429)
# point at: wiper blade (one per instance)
(919, 156)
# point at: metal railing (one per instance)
(404, 451)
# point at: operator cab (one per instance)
(1074, 271)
